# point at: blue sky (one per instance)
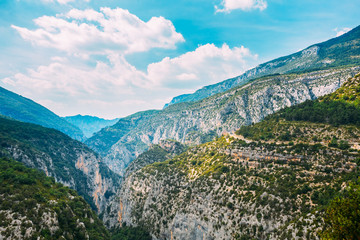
(112, 58)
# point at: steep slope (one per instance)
(90, 124)
(341, 51)
(26, 110)
(273, 181)
(201, 121)
(68, 161)
(161, 152)
(33, 206)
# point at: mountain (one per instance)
(202, 121)
(33, 206)
(340, 51)
(276, 179)
(26, 110)
(70, 162)
(89, 124)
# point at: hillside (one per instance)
(272, 180)
(341, 51)
(199, 122)
(89, 124)
(70, 162)
(26, 110)
(33, 206)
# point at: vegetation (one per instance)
(285, 172)
(342, 219)
(40, 148)
(48, 208)
(26, 110)
(130, 233)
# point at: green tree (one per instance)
(342, 219)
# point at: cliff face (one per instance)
(270, 180)
(229, 189)
(33, 206)
(201, 121)
(68, 161)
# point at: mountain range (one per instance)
(26, 110)
(90, 124)
(271, 154)
(201, 121)
(340, 51)
(271, 180)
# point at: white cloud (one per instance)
(86, 32)
(341, 31)
(206, 65)
(62, 1)
(117, 88)
(245, 5)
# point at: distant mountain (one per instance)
(202, 121)
(276, 179)
(69, 161)
(90, 124)
(26, 110)
(33, 206)
(341, 51)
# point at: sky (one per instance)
(112, 58)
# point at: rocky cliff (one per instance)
(271, 180)
(70, 162)
(201, 121)
(33, 206)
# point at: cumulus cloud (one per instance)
(207, 64)
(86, 32)
(115, 88)
(341, 31)
(245, 5)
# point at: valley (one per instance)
(271, 154)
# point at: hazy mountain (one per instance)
(90, 124)
(273, 180)
(69, 161)
(26, 110)
(201, 121)
(33, 206)
(341, 51)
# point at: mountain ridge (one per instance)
(315, 57)
(26, 110)
(260, 183)
(90, 124)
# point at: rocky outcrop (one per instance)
(70, 162)
(201, 121)
(230, 189)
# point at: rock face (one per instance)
(57, 155)
(201, 121)
(270, 180)
(340, 51)
(33, 206)
(229, 189)
(25, 110)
